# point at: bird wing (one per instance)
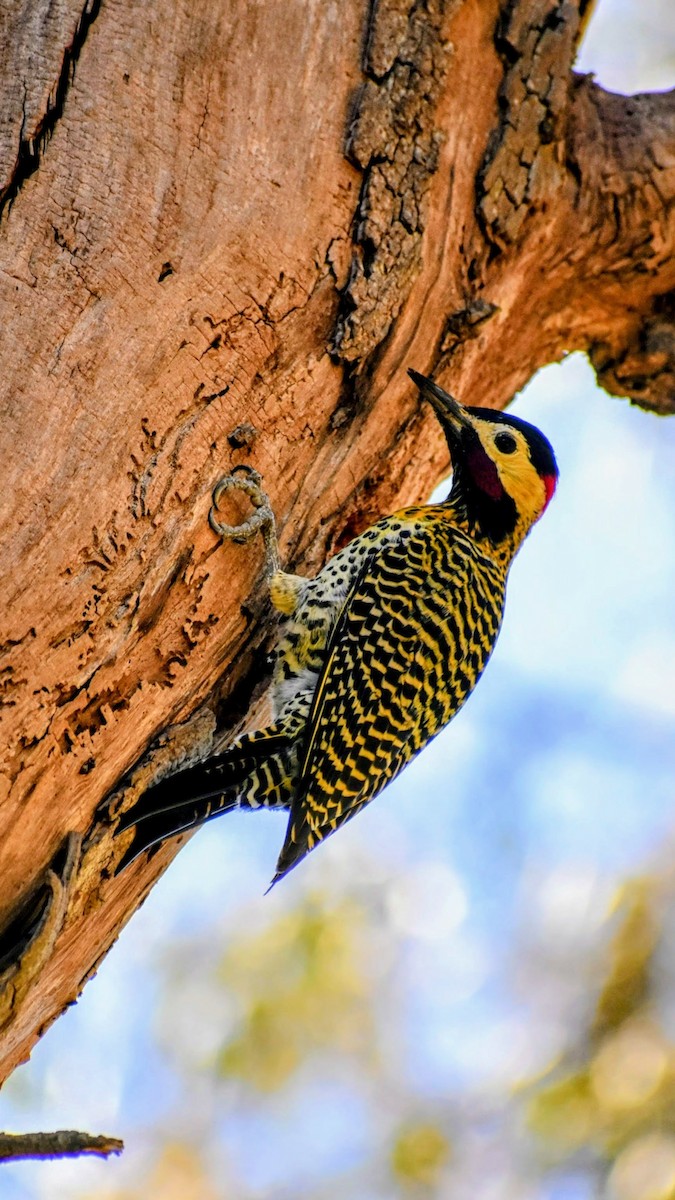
(394, 675)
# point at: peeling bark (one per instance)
(394, 141)
(43, 41)
(227, 230)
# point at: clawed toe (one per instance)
(247, 480)
(248, 472)
(243, 479)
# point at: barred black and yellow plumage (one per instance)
(380, 650)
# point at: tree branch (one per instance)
(62, 1143)
(623, 148)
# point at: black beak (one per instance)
(453, 416)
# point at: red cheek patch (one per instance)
(550, 482)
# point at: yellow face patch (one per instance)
(507, 447)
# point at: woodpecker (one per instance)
(380, 650)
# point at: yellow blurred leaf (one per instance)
(302, 986)
(565, 1112)
(419, 1154)
(626, 987)
(645, 1170)
(178, 1174)
(630, 1066)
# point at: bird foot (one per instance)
(244, 479)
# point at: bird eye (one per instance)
(506, 443)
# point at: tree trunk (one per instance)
(226, 232)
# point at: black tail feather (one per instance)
(299, 840)
(203, 781)
(169, 823)
(188, 798)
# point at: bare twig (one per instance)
(58, 1144)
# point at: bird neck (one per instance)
(496, 526)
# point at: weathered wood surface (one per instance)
(227, 231)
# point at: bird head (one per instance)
(504, 469)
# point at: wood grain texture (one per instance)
(239, 226)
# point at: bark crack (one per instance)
(524, 162)
(31, 148)
(393, 140)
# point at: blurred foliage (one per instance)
(618, 1101)
(308, 994)
(312, 995)
(311, 991)
(321, 998)
(419, 1155)
(179, 1173)
(626, 986)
